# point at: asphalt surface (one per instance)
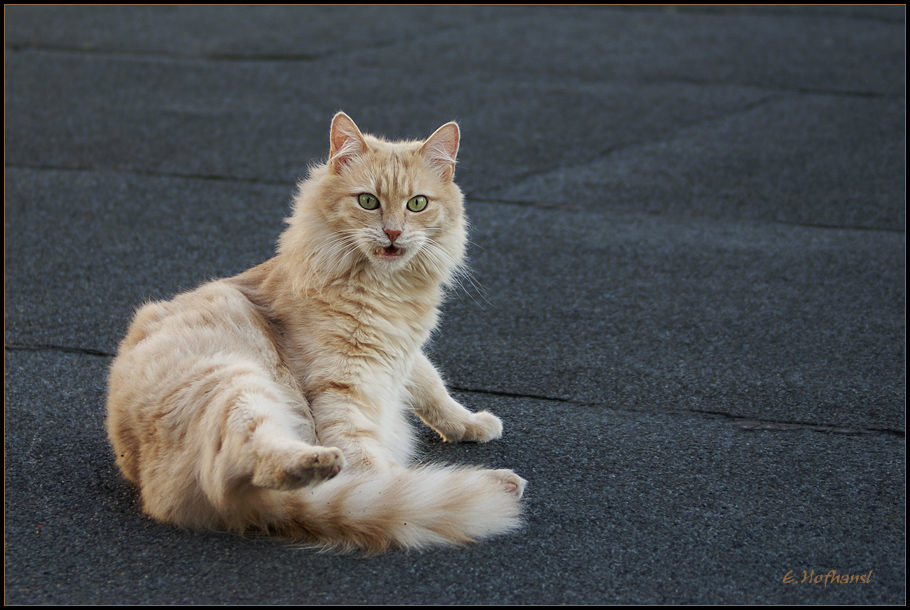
(688, 296)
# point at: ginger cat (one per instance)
(275, 401)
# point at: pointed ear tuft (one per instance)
(345, 142)
(441, 148)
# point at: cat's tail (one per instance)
(409, 508)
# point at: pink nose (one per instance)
(393, 235)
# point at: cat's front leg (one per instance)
(431, 402)
(347, 419)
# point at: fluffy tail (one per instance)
(413, 509)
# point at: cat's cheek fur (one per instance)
(275, 401)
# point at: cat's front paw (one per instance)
(286, 471)
(482, 427)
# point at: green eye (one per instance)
(367, 201)
(417, 204)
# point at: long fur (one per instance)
(275, 401)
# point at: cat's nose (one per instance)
(393, 235)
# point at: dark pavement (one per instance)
(688, 297)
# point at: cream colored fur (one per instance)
(275, 401)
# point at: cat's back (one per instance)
(215, 317)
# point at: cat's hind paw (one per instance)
(289, 470)
(510, 481)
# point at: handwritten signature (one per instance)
(792, 577)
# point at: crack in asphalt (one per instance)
(743, 423)
(88, 351)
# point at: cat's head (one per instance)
(390, 206)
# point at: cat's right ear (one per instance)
(345, 142)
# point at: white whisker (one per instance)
(458, 272)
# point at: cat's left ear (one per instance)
(441, 148)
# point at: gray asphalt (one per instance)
(688, 295)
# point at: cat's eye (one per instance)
(417, 204)
(367, 201)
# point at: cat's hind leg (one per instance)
(283, 463)
(228, 429)
(272, 439)
(431, 402)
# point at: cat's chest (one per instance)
(360, 336)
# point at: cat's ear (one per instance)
(345, 142)
(441, 148)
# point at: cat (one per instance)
(276, 401)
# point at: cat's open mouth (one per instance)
(389, 252)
